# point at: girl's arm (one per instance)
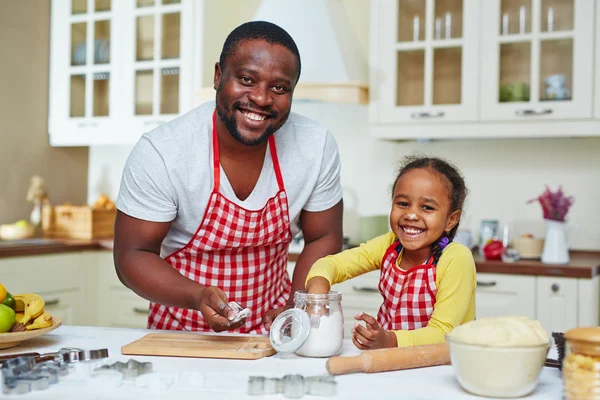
(455, 299)
(348, 264)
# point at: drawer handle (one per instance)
(425, 114)
(365, 289)
(153, 123)
(53, 302)
(139, 310)
(87, 124)
(529, 111)
(486, 284)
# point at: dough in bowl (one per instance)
(501, 332)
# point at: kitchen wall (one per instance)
(24, 148)
(501, 174)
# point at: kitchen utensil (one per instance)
(381, 360)
(292, 386)
(130, 370)
(200, 345)
(529, 247)
(12, 339)
(24, 373)
(240, 313)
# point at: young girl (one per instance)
(427, 282)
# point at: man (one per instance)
(210, 201)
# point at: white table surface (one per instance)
(227, 379)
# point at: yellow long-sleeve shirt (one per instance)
(455, 281)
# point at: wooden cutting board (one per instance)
(200, 346)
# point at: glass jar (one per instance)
(313, 328)
(581, 365)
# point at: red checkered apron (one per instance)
(408, 296)
(243, 252)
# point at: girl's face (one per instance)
(421, 209)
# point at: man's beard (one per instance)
(228, 117)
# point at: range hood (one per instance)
(333, 70)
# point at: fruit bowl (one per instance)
(12, 339)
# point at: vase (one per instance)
(556, 247)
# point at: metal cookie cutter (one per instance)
(240, 313)
(292, 386)
(130, 370)
(24, 373)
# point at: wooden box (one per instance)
(78, 222)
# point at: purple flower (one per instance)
(555, 205)
(444, 242)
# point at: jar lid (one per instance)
(588, 334)
(290, 330)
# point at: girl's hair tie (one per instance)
(444, 242)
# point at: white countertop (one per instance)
(227, 379)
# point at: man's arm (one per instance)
(323, 235)
(139, 266)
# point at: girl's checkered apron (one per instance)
(408, 296)
(243, 252)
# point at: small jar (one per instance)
(313, 328)
(581, 365)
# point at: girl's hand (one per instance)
(373, 336)
(318, 285)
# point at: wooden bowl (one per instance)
(12, 339)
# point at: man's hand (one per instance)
(270, 315)
(373, 336)
(215, 310)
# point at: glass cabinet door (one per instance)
(432, 62)
(158, 59)
(90, 61)
(537, 59)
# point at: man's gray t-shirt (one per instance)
(169, 176)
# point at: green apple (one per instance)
(9, 300)
(7, 318)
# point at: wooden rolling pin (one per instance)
(390, 359)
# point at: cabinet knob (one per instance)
(555, 287)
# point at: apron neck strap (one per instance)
(217, 159)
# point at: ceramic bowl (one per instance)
(529, 247)
(494, 371)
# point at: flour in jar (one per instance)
(326, 340)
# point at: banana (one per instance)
(31, 304)
(42, 321)
(19, 317)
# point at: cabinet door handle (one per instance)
(426, 114)
(53, 302)
(529, 112)
(486, 284)
(555, 288)
(139, 310)
(87, 124)
(365, 289)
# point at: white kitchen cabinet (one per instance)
(596, 75)
(118, 306)
(120, 68)
(557, 307)
(422, 61)
(58, 278)
(537, 59)
(505, 295)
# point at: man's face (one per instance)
(254, 90)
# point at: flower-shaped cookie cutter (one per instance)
(130, 369)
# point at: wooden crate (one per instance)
(78, 222)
